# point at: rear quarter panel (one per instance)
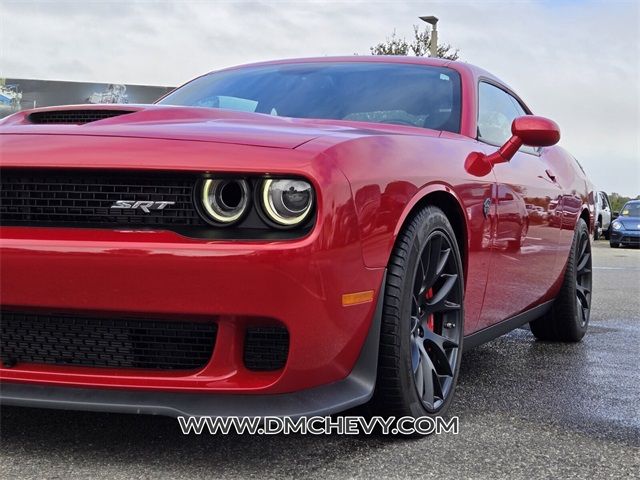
(578, 195)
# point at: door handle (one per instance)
(550, 174)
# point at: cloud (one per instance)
(577, 62)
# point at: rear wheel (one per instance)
(422, 321)
(568, 319)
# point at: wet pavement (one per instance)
(527, 410)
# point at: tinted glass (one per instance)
(630, 210)
(496, 112)
(414, 95)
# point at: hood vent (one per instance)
(74, 116)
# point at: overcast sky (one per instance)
(577, 62)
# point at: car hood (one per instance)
(171, 123)
(630, 223)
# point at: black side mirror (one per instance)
(615, 215)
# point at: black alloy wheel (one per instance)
(422, 319)
(435, 321)
(583, 280)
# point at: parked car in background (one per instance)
(625, 229)
(603, 216)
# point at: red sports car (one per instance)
(286, 238)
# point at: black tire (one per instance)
(596, 231)
(607, 233)
(422, 320)
(614, 244)
(568, 319)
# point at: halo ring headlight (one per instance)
(224, 200)
(287, 202)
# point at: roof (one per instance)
(462, 67)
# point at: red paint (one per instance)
(431, 319)
(530, 130)
(536, 131)
(368, 179)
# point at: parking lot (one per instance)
(527, 410)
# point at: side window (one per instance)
(496, 112)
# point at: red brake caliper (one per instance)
(429, 295)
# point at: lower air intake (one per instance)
(104, 342)
(266, 348)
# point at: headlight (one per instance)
(616, 225)
(224, 201)
(287, 202)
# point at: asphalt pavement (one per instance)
(527, 410)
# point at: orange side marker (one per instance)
(357, 298)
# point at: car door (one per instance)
(525, 198)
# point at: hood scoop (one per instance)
(76, 117)
(162, 122)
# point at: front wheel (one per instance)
(613, 244)
(422, 320)
(596, 231)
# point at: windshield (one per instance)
(630, 210)
(415, 95)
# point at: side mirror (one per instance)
(536, 131)
(615, 215)
(527, 130)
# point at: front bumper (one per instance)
(625, 237)
(356, 389)
(298, 284)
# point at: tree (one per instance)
(617, 201)
(419, 45)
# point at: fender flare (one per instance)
(419, 197)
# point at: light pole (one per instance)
(433, 44)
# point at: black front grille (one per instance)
(74, 116)
(84, 199)
(629, 240)
(266, 348)
(104, 342)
